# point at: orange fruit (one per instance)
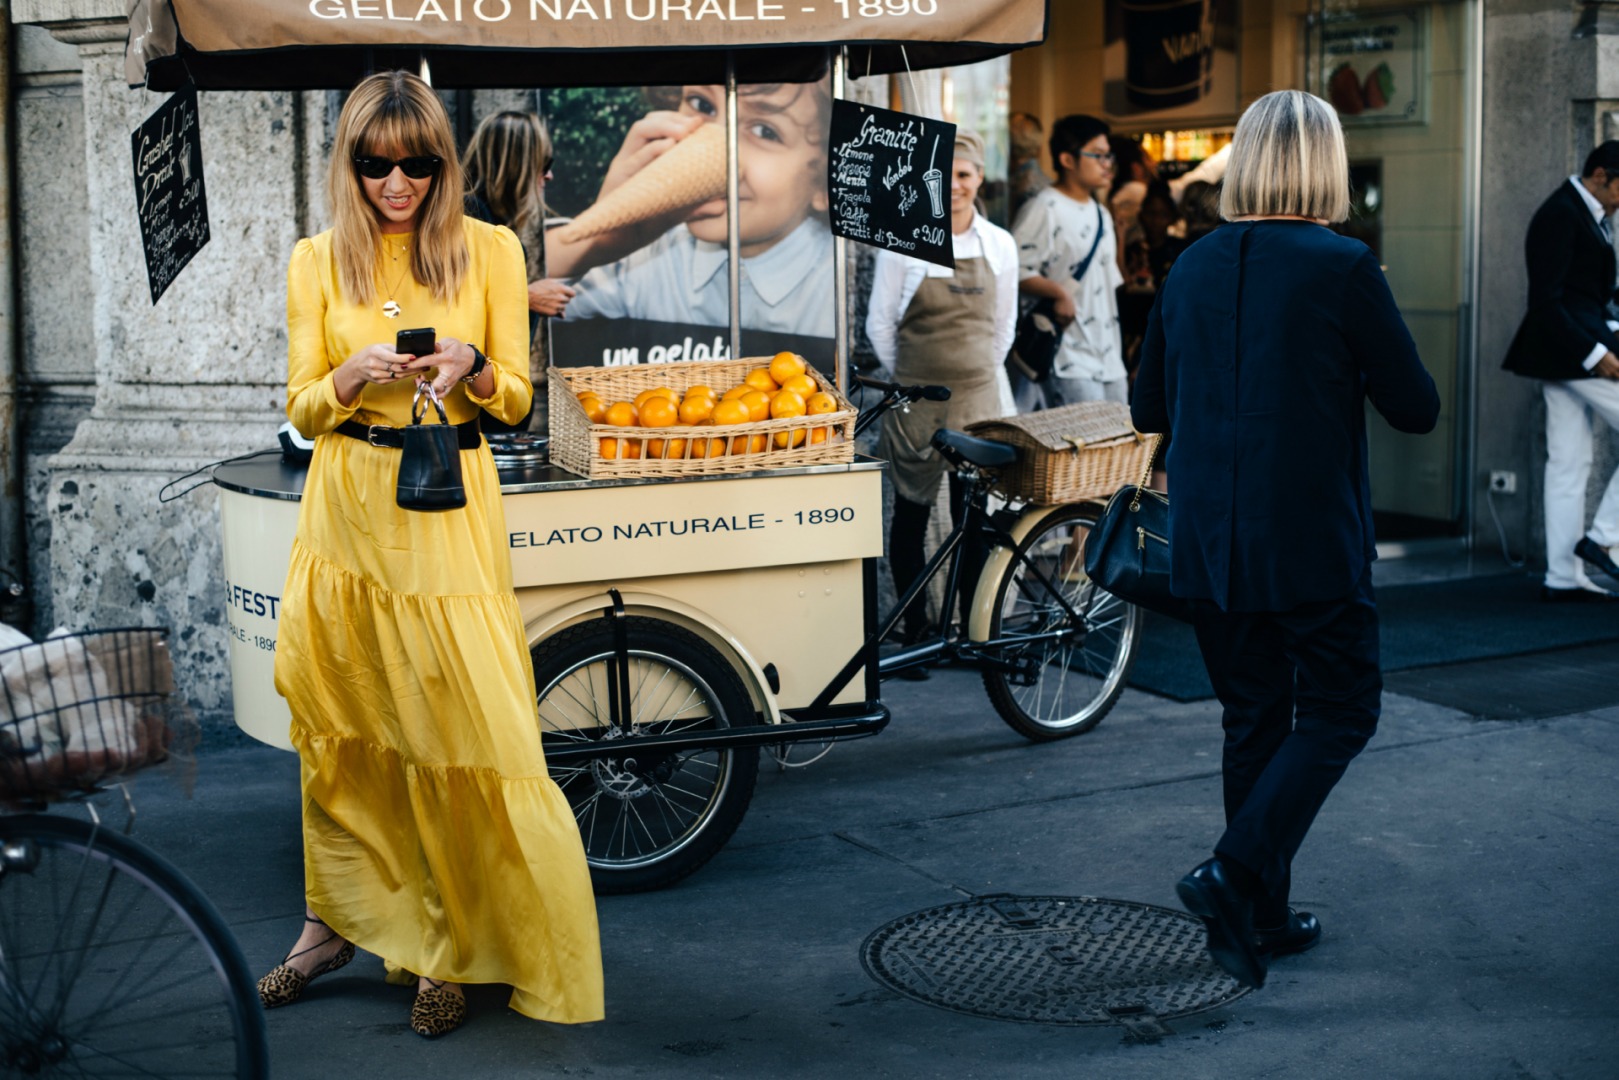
(735, 392)
(802, 385)
(759, 378)
(621, 414)
(784, 365)
(786, 404)
(701, 391)
(731, 412)
(594, 409)
(819, 403)
(659, 412)
(629, 448)
(794, 437)
(694, 410)
(758, 403)
(748, 444)
(666, 448)
(609, 449)
(817, 436)
(657, 391)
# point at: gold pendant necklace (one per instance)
(391, 308)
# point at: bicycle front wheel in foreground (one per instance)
(1068, 672)
(113, 964)
(647, 818)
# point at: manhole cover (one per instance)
(1052, 960)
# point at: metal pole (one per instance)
(840, 257)
(13, 535)
(733, 202)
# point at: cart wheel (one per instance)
(647, 820)
(1068, 683)
(113, 964)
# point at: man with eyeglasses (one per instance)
(1569, 339)
(1068, 255)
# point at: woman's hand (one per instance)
(377, 364)
(453, 360)
(548, 296)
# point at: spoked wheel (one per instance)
(113, 964)
(650, 818)
(1070, 673)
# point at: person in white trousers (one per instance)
(1569, 339)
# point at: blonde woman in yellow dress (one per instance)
(433, 836)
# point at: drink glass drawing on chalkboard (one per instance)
(934, 179)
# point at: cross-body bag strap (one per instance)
(1085, 263)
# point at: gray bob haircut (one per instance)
(1287, 157)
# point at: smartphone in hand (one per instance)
(419, 342)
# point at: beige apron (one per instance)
(947, 337)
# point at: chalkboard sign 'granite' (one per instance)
(169, 194)
(888, 178)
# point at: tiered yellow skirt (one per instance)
(433, 835)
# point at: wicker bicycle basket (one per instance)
(1084, 451)
(78, 710)
(683, 450)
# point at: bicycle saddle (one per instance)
(960, 449)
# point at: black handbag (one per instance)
(430, 460)
(1034, 348)
(1127, 552)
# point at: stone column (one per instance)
(196, 378)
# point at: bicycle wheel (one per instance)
(1071, 673)
(647, 819)
(113, 964)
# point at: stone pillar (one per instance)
(196, 378)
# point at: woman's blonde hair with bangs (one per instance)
(396, 114)
(1287, 157)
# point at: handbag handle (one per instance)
(418, 410)
(1146, 474)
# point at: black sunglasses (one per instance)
(378, 168)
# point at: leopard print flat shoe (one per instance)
(285, 984)
(437, 1011)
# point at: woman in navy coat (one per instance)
(1262, 347)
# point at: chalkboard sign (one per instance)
(169, 195)
(888, 178)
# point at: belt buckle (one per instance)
(371, 434)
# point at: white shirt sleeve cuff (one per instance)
(1596, 356)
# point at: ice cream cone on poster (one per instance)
(688, 174)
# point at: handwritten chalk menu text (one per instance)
(169, 195)
(888, 177)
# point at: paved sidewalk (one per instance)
(1462, 872)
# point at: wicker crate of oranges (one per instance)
(691, 419)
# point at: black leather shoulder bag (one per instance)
(1127, 553)
(430, 459)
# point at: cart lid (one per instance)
(331, 44)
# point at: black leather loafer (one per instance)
(1576, 596)
(1300, 933)
(1596, 555)
(1229, 918)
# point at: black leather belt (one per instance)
(467, 435)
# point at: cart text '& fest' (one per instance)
(498, 11)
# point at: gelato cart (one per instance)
(679, 619)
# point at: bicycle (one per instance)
(654, 738)
(111, 961)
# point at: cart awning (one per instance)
(330, 44)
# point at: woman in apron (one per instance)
(952, 327)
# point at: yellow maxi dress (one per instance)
(433, 836)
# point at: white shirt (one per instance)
(680, 279)
(896, 277)
(1054, 232)
(1591, 204)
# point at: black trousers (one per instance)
(1302, 693)
(907, 557)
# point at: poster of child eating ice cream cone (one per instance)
(649, 257)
